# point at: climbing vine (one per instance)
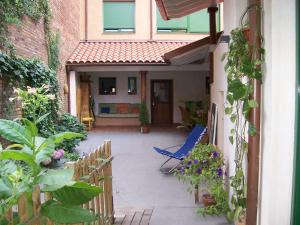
(13, 11)
(243, 66)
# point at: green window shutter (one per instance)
(174, 24)
(119, 15)
(199, 22)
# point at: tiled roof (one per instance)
(144, 52)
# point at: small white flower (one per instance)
(31, 90)
(11, 99)
(51, 97)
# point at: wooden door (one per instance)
(162, 101)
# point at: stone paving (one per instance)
(137, 181)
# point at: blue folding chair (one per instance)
(193, 138)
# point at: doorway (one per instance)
(161, 102)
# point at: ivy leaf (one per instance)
(230, 99)
(237, 88)
(228, 110)
(231, 139)
(253, 103)
(233, 118)
(251, 130)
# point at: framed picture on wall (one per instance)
(213, 124)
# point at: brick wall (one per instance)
(29, 38)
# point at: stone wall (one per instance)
(29, 39)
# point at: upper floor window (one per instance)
(119, 16)
(197, 22)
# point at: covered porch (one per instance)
(109, 80)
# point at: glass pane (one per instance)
(199, 22)
(119, 15)
(107, 86)
(161, 92)
(132, 90)
(174, 24)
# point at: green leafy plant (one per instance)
(144, 114)
(67, 122)
(205, 165)
(18, 179)
(243, 66)
(72, 156)
(21, 73)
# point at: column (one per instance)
(72, 93)
(143, 85)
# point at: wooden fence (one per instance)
(96, 168)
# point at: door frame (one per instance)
(296, 188)
(172, 97)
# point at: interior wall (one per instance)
(278, 114)
(122, 95)
(186, 86)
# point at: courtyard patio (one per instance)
(137, 182)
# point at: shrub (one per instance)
(144, 114)
(67, 122)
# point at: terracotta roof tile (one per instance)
(123, 52)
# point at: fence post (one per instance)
(109, 182)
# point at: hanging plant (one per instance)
(243, 66)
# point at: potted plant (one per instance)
(144, 118)
(204, 167)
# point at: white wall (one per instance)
(278, 106)
(186, 86)
(233, 10)
(278, 114)
(122, 95)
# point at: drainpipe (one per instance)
(213, 38)
(151, 22)
(86, 20)
(254, 142)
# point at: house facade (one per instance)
(123, 56)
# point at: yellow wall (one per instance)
(142, 24)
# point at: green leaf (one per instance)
(228, 110)
(233, 118)
(30, 126)
(20, 156)
(253, 103)
(251, 130)
(77, 194)
(237, 88)
(231, 139)
(45, 153)
(5, 188)
(56, 178)
(230, 99)
(42, 118)
(66, 214)
(58, 138)
(16, 133)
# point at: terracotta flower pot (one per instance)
(208, 200)
(145, 129)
